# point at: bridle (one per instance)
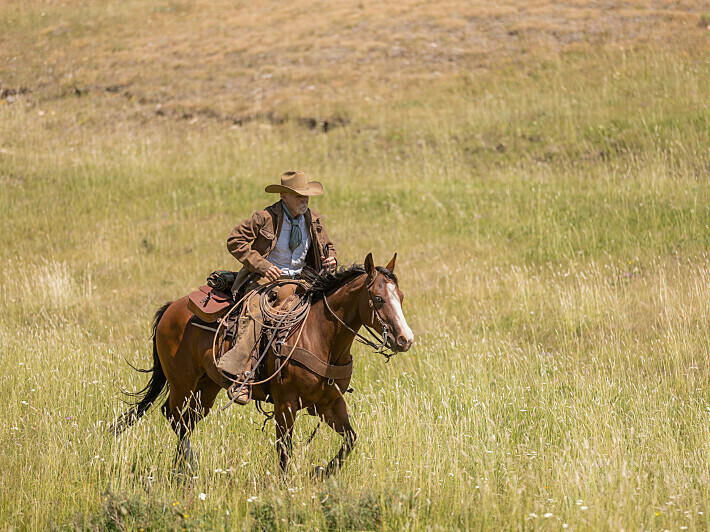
(380, 339)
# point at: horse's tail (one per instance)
(152, 391)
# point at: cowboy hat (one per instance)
(297, 182)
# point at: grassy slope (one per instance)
(237, 59)
(553, 205)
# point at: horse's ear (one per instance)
(369, 265)
(390, 264)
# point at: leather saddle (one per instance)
(209, 304)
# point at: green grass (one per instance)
(552, 227)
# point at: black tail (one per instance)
(154, 389)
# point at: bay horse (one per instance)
(341, 303)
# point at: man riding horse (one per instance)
(272, 244)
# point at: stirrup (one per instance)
(244, 395)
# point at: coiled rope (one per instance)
(281, 319)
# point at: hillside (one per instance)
(540, 169)
(239, 61)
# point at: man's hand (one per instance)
(329, 263)
(273, 273)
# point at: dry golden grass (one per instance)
(547, 193)
(236, 60)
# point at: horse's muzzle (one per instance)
(401, 344)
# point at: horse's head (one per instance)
(381, 305)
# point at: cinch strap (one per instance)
(318, 366)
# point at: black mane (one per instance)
(323, 283)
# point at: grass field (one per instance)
(542, 173)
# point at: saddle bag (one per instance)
(209, 304)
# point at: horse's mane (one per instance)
(323, 283)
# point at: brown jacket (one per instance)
(253, 239)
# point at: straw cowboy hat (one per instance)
(297, 182)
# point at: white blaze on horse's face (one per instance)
(404, 336)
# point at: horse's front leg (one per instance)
(284, 416)
(336, 416)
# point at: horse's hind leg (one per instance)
(184, 411)
(336, 416)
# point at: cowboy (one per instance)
(274, 243)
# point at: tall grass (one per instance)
(552, 230)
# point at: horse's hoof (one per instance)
(319, 473)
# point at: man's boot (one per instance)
(244, 394)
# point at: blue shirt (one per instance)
(290, 262)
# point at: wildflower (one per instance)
(584, 508)
(202, 496)
(548, 514)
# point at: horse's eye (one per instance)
(379, 300)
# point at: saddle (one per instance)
(213, 300)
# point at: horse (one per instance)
(341, 303)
